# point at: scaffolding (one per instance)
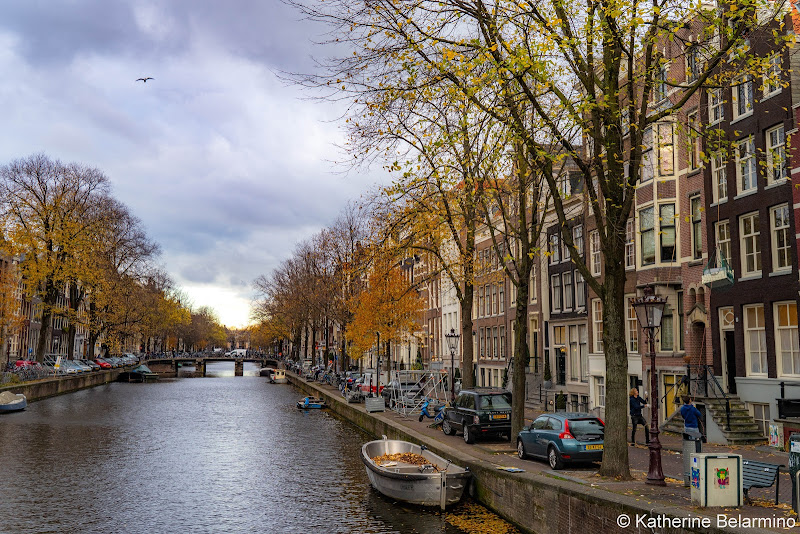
(414, 387)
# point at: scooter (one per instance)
(424, 412)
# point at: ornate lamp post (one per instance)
(452, 344)
(649, 310)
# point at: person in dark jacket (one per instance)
(691, 418)
(636, 404)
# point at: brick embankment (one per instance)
(541, 501)
(50, 387)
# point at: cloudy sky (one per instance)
(227, 166)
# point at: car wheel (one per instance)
(520, 450)
(468, 436)
(447, 429)
(554, 458)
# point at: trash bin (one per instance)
(691, 445)
(716, 479)
(794, 467)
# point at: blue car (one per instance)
(563, 437)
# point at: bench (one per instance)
(760, 475)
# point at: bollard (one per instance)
(690, 445)
(794, 468)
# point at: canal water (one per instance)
(215, 454)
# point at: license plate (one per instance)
(594, 447)
(499, 416)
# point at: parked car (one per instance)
(91, 364)
(563, 437)
(479, 412)
(102, 363)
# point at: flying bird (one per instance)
(144, 79)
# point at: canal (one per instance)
(214, 454)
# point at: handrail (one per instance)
(716, 389)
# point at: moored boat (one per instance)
(12, 402)
(140, 373)
(267, 371)
(278, 377)
(407, 472)
(311, 403)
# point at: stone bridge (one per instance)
(168, 367)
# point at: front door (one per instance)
(730, 361)
(561, 366)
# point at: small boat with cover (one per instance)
(307, 403)
(12, 402)
(410, 473)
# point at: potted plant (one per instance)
(548, 378)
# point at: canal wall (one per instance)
(50, 387)
(534, 502)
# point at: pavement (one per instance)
(503, 454)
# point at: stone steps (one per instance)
(743, 431)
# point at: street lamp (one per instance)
(649, 310)
(452, 344)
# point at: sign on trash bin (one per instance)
(717, 479)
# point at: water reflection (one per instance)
(215, 454)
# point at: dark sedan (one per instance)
(563, 437)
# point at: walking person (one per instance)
(691, 419)
(636, 404)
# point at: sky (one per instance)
(227, 166)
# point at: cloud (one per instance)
(228, 167)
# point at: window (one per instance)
(694, 140)
(533, 287)
(597, 320)
(742, 92)
(580, 291)
(648, 236)
(481, 301)
(502, 339)
(555, 248)
(667, 232)
(715, 106)
(719, 178)
(751, 247)
(693, 63)
(481, 343)
(594, 245)
(772, 76)
(630, 245)
(574, 355)
(667, 334)
(666, 150)
(776, 155)
(600, 390)
(502, 296)
(761, 416)
(647, 155)
(746, 165)
(582, 348)
(697, 229)
(679, 312)
(633, 329)
(494, 299)
(555, 282)
(755, 340)
(787, 345)
(567, 279)
(660, 82)
(495, 353)
(562, 182)
(781, 247)
(723, 232)
(577, 239)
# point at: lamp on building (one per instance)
(452, 344)
(649, 310)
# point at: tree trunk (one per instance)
(521, 357)
(467, 366)
(615, 453)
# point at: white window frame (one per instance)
(645, 231)
(751, 239)
(772, 84)
(555, 248)
(779, 233)
(594, 246)
(580, 292)
(719, 178)
(696, 208)
(693, 135)
(787, 342)
(568, 291)
(722, 235)
(666, 149)
(597, 323)
(746, 168)
(577, 239)
(777, 168)
(742, 96)
(631, 327)
(555, 292)
(755, 340)
(716, 106)
(600, 391)
(630, 244)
